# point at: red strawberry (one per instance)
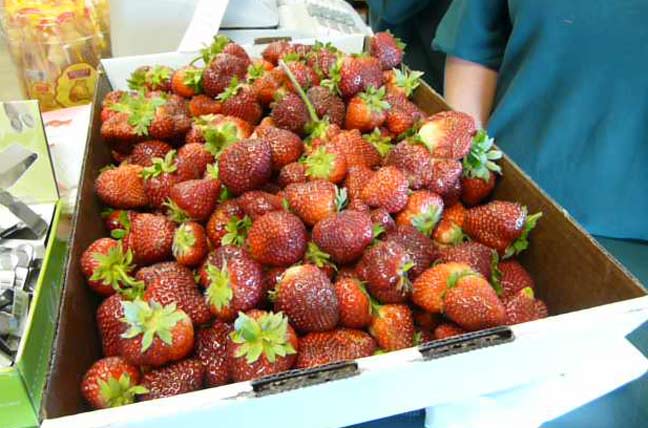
(393, 327)
(380, 217)
(275, 50)
(176, 378)
(479, 169)
(316, 349)
(218, 132)
(171, 119)
(399, 120)
(327, 104)
(322, 57)
(109, 324)
(286, 147)
(192, 161)
(541, 310)
(471, 302)
(111, 382)
(240, 101)
(256, 203)
(353, 74)
(387, 188)
(445, 175)
(150, 238)
(475, 190)
(211, 350)
(218, 75)
(265, 83)
(356, 179)
(514, 278)
(118, 222)
(277, 238)
(305, 76)
(122, 187)
(501, 225)
(190, 245)
(344, 236)
(262, 343)
(478, 256)
(193, 199)
(425, 320)
(201, 105)
(326, 163)
(449, 230)
(170, 283)
(294, 172)
(246, 165)
(428, 289)
(290, 112)
(159, 178)
(448, 134)
(187, 81)
(234, 283)
(446, 330)
(520, 307)
(305, 294)
(169, 338)
(118, 131)
(423, 211)
(237, 50)
(229, 212)
(385, 267)
(414, 161)
(402, 82)
(144, 152)
(367, 110)
(356, 150)
(315, 200)
(156, 78)
(388, 49)
(420, 248)
(106, 267)
(354, 303)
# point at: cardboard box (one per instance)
(593, 299)
(22, 384)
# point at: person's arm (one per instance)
(470, 87)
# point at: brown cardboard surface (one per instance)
(571, 270)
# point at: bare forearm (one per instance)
(470, 87)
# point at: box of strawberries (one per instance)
(310, 236)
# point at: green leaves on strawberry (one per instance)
(236, 231)
(381, 142)
(108, 268)
(219, 292)
(318, 257)
(407, 80)
(160, 166)
(140, 109)
(481, 158)
(150, 320)
(118, 392)
(522, 243)
(218, 139)
(267, 335)
(214, 48)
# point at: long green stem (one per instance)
(300, 92)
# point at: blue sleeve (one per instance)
(475, 30)
(395, 12)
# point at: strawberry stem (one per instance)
(309, 106)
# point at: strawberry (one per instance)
(344, 235)
(388, 49)
(156, 78)
(541, 310)
(327, 104)
(354, 303)
(445, 174)
(402, 81)
(275, 50)
(479, 257)
(382, 220)
(256, 203)
(380, 140)
(118, 222)
(471, 302)
(144, 152)
(423, 336)
(385, 267)
(264, 83)
(356, 179)
(262, 343)
(277, 238)
(150, 238)
(111, 382)
(171, 283)
(159, 178)
(122, 187)
(326, 163)
(218, 132)
(392, 326)
(315, 256)
(353, 74)
(305, 76)
(446, 330)
(316, 349)
(190, 245)
(387, 188)
(404, 116)
(420, 248)
(224, 214)
(200, 105)
(305, 294)
(356, 150)
(520, 307)
(449, 230)
(240, 101)
(192, 161)
(414, 161)
(246, 165)
(171, 120)
(111, 98)
(286, 147)
(220, 72)
(211, 350)
(448, 134)
(315, 200)
(193, 200)
(187, 81)
(109, 324)
(106, 267)
(237, 50)
(475, 190)
(234, 282)
(513, 278)
(425, 320)
(294, 172)
(176, 378)
(322, 57)
(118, 130)
(423, 211)
(429, 287)
(501, 225)
(290, 112)
(155, 335)
(367, 110)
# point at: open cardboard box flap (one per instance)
(593, 299)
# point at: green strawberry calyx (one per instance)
(118, 392)
(218, 138)
(237, 230)
(404, 284)
(427, 220)
(318, 257)
(192, 77)
(125, 225)
(374, 99)
(214, 48)
(341, 198)
(183, 240)
(219, 292)
(408, 80)
(377, 230)
(231, 90)
(225, 195)
(335, 77)
(457, 275)
(255, 72)
(137, 79)
(267, 335)
(113, 269)
(160, 166)
(522, 243)
(482, 156)
(175, 213)
(320, 163)
(212, 171)
(381, 142)
(140, 110)
(150, 319)
(158, 75)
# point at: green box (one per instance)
(21, 385)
